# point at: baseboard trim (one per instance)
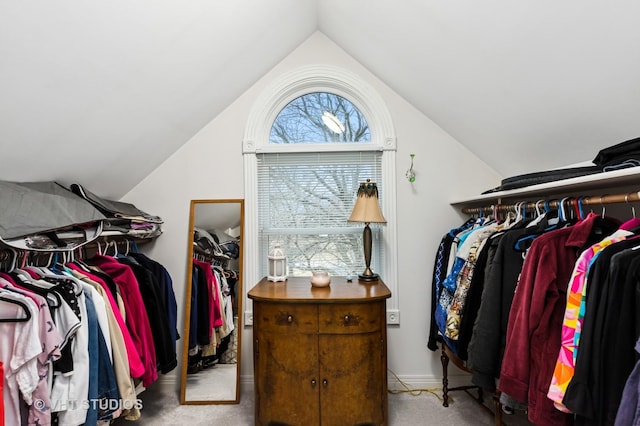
(395, 383)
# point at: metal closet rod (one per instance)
(570, 202)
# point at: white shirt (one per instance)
(19, 350)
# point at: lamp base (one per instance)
(368, 278)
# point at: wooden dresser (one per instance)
(320, 354)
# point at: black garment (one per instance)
(624, 152)
(583, 390)
(623, 319)
(521, 181)
(202, 335)
(193, 314)
(166, 358)
(232, 282)
(489, 336)
(166, 290)
(66, 290)
(224, 345)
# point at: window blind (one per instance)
(304, 200)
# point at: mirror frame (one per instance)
(187, 303)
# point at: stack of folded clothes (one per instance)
(123, 218)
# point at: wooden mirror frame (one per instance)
(235, 398)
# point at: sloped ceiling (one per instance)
(100, 93)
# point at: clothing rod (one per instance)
(594, 200)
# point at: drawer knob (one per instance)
(351, 320)
(313, 383)
(325, 383)
(290, 319)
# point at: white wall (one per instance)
(210, 165)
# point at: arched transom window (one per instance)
(319, 117)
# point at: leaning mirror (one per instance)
(211, 351)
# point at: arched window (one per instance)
(319, 117)
(305, 198)
(311, 139)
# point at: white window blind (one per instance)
(304, 200)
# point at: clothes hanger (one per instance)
(20, 303)
(539, 214)
(521, 211)
(633, 209)
(49, 278)
(566, 213)
(13, 253)
(523, 243)
(25, 282)
(553, 218)
(603, 225)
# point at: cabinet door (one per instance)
(286, 365)
(288, 380)
(352, 368)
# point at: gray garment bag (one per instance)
(32, 212)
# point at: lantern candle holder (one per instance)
(277, 265)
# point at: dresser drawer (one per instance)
(285, 317)
(351, 318)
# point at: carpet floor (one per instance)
(404, 409)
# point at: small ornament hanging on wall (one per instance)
(410, 174)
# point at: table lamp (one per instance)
(367, 210)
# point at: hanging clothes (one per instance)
(2, 395)
(489, 333)
(572, 322)
(594, 392)
(19, 349)
(74, 337)
(456, 260)
(439, 274)
(165, 347)
(536, 315)
(134, 361)
(167, 294)
(137, 318)
(555, 316)
(629, 410)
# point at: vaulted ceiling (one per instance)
(100, 93)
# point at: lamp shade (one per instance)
(367, 208)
